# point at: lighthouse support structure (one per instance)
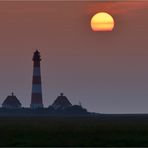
(36, 96)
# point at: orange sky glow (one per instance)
(106, 71)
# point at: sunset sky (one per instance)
(106, 71)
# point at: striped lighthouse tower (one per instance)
(36, 97)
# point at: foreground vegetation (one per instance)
(103, 130)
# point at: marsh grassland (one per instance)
(103, 130)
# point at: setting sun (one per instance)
(102, 22)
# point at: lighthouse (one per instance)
(36, 96)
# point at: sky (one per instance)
(106, 71)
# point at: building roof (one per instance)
(61, 102)
(11, 101)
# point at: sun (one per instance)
(102, 21)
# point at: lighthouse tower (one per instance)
(36, 97)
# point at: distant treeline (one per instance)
(73, 110)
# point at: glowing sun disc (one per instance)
(102, 21)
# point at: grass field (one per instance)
(104, 130)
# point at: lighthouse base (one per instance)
(36, 106)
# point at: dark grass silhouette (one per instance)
(102, 130)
